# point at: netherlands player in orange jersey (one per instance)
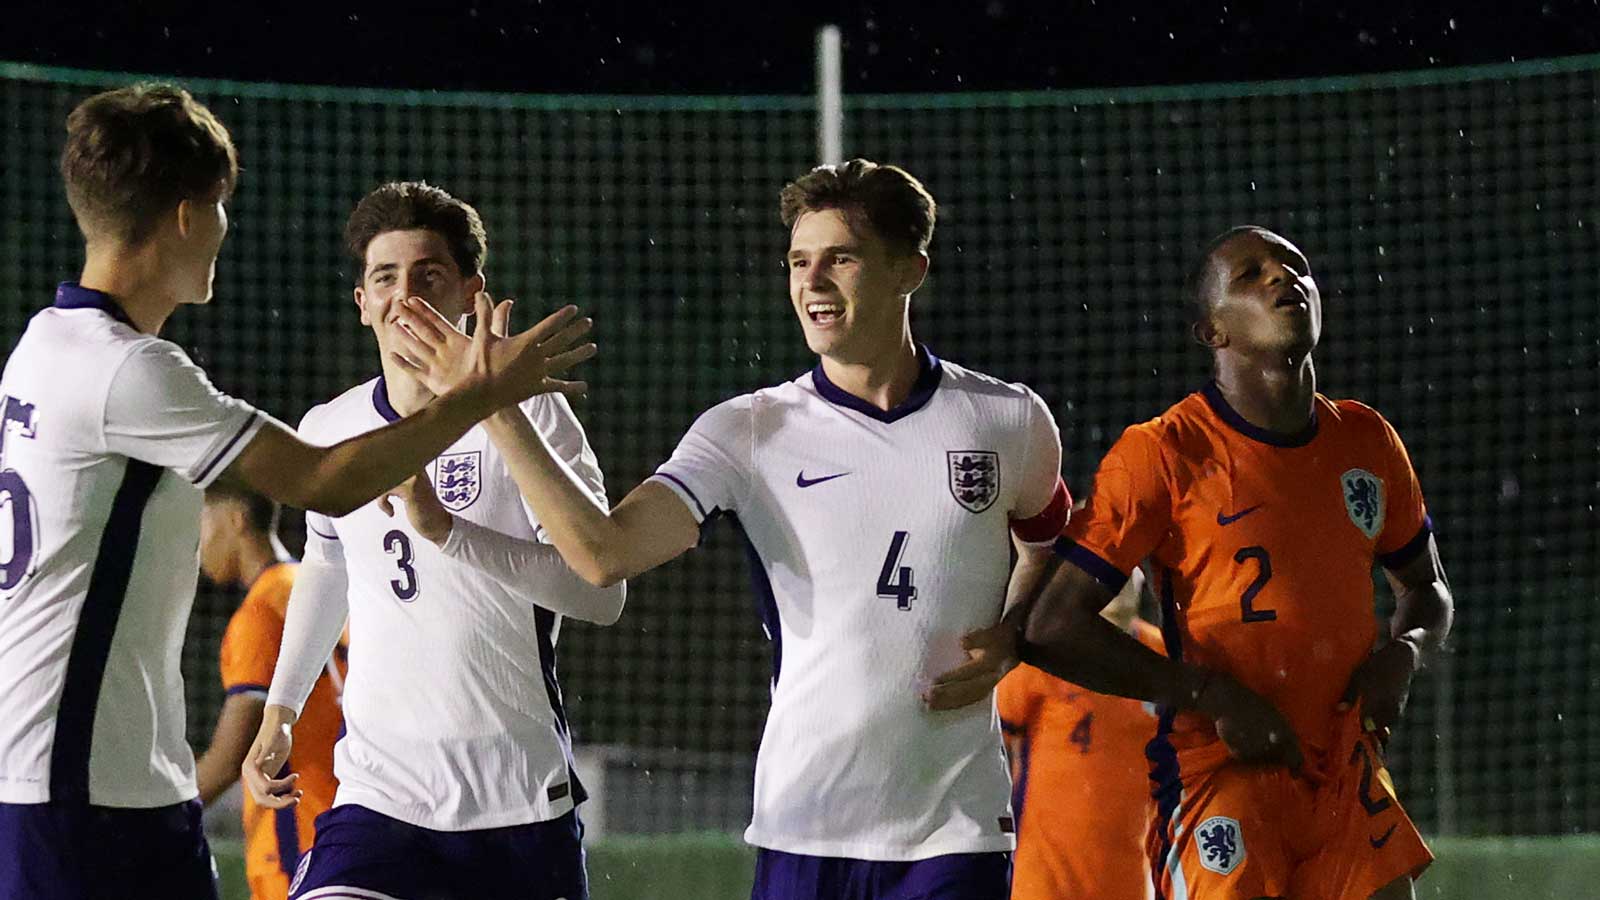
(1081, 788)
(236, 548)
(1262, 507)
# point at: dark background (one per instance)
(558, 46)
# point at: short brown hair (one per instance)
(260, 513)
(894, 203)
(134, 153)
(407, 205)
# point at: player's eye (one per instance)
(840, 259)
(797, 263)
(1250, 272)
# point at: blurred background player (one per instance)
(1080, 785)
(455, 771)
(103, 473)
(1263, 508)
(237, 549)
(881, 495)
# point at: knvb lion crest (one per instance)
(974, 478)
(458, 479)
(1363, 500)
(1221, 844)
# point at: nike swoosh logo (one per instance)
(802, 481)
(1229, 520)
(1378, 842)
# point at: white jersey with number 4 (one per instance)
(108, 437)
(453, 716)
(878, 539)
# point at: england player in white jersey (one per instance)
(455, 770)
(881, 494)
(109, 436)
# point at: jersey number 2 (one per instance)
(397, 544)
(1247, 610)
(895, 581)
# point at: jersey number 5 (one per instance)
(397, 544)
(15, 499)
(895, 581)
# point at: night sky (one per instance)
(678, 47)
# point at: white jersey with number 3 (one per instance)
(108, 437)
(453, 716)
(878, 540)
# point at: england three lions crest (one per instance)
(974, 478)
(1363, 500)
(458, 479)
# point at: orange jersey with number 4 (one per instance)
(1261, 547)
(274, 839)
(1081, 786)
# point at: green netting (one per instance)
(1451, 218)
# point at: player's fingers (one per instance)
(420, 347)
(955, 696)
(386, 504)
(566, 337)
(483, 310)
(561, 362)
(551, 324)
(972, 668)
(501, 325)
(416, 319)
(569, 388)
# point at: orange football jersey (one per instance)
(274, 839)
(1261, 547)
(1081, 786)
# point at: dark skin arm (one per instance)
(1424, 610)
(1064, 634)
(218, 768)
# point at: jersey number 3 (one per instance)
(19, 521)
(896, 581)
(396, 544)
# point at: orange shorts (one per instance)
(1240, 832)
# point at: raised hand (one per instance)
(991, 653)
(1251, 727)
(503, 370)
(426, 514)
(267, 757)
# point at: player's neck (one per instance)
(885, 380)
(256, 556)
(133, 279)
(1279, 398)
(406, 394)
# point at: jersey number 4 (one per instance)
(17, 513)
(896, 581)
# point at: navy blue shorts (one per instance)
(381, 858)
(51, 851)
(957, 876)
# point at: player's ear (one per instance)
(185, 214)
(361, 305)
(913, 271)
(475, 284)
(1207, 334)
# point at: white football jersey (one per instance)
(109, 436)
(453, 716)
(877, 540)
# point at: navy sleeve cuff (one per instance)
(1090, 562)
(1399, 559)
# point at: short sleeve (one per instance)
(710, 470)
(1406, 526)
(1128, 513)
(163, 410)
(250, 648)
(1043, 504)
(552, 415)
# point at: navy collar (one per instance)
(1225, 411)
(380, 401)
(71, 295)
(928, 376)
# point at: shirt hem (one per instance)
(409, 815)
(876, 852)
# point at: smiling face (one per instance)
(408, 263)
(848, 288)
(1260, 297)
